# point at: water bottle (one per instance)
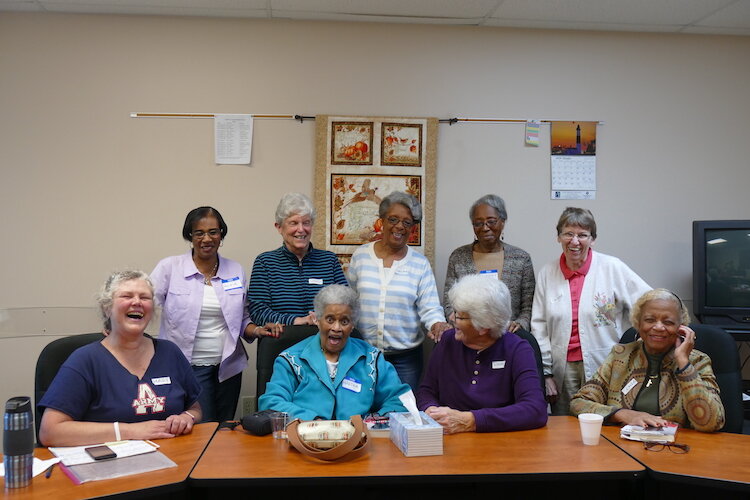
(18, 442)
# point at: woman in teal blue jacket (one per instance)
(330, 375)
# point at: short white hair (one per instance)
(294, 204)
(336, 295)
(486, 300)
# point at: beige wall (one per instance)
(86, 189)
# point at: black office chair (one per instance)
(725, 362)
(528, 337)
(49, 362)
(269, 348)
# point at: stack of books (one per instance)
(416, 439)
(377, 426)
(664, 434)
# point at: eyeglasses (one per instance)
(212, 233)
(678, 448)
(490, 223)
(393, 221)
(580, 236)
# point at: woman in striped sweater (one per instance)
(397, 291)
(284, 281)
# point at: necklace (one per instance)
(333, 366)
(207, 278)
(651, 379)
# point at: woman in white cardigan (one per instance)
(581, 306)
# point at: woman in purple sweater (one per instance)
(481, 378)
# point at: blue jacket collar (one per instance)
(313, 354)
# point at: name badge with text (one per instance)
(351, 384)
(161, 381)
(489, 273)
(232, 284)
(315, 281)
(497, 365)
(629, 386)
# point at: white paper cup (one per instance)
(279, 420)
(591, 428)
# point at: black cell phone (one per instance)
(101, 452)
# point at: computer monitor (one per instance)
(721, 273)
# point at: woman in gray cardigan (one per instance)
(490, 256)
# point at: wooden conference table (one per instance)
(520, 464)
(716, 460)
(236, 459)
(182, 450)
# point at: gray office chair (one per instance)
(528, 337)
(49, 362)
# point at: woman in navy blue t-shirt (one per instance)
(128, 386)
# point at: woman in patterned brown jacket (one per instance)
(659, 377)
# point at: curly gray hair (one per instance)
(336, 295)
(658, 294)
(106, 294)
(404, 199)
(493, 201)
(294, 204)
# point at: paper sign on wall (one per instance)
(532, 133)
(233, 139)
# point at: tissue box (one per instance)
(416, 439)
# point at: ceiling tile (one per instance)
(19, 6)
(641, 12)
(579, 25)
(736, 15)
(391, 8)
(374, 18)
(175, 4)
(714, 30)
(201, 8)
(668, 16)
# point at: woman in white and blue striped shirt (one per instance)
(397, 290)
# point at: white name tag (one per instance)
(315, 281)
(489, 273)
(497, 365)
(232, 284)
(351, 384)
(161, 381)
(629, 386)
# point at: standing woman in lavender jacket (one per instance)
(204, 312)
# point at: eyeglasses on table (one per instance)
(678, 448)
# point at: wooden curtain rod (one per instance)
(301, 118)
(451, 121)
(211, 115)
